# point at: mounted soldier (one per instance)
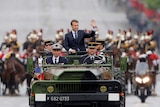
(109, 41)
(59, 37)
(14, 50)
(153, 62)
(13, 39)
(48, 47)
(14, 46)
(40, 40)
(6, 44)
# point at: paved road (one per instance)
(151, 101)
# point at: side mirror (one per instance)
(30, 65)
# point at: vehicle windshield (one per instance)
(141, 68)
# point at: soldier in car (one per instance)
(48, 47)
(91, 55)
(56, 57)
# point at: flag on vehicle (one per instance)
(39, 74)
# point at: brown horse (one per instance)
(13, 75)
(153, 72)
(129, 74)
(131, 62)
(1, 68)
(116, 56)
(34, 55)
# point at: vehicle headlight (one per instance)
(50, 89)
(138, 79)
(146, 79)
(103, 88)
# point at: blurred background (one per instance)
(24, 16)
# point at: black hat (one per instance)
(92, 45)
(48, 42)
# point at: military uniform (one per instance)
(90, 58)
(14, 51)
(48, 52)
(56, 60)
(101, 48)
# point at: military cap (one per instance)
(57, 46)
(48, 42)
(92, 44)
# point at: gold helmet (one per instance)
(126, 45)
(153, 44)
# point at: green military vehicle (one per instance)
(89, 85)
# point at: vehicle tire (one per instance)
(142, 96)
(120, 75)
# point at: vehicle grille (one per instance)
(76, 87)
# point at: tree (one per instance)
(152, 4)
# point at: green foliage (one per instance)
(152, 4)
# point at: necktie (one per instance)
(92, 58)
(55, 61)
(76, 36)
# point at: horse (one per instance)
(131, 63)
(1, 72)
(154, 67)
(34, 55)
(29, 54)
(1, 67)
(116, 56)
(14, 73)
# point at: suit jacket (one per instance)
(78, 45)
(63, 60)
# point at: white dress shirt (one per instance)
(57, 59)
(74, 34)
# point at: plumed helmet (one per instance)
(153, 44)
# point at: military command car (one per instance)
(90, 85)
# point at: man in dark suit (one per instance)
(56, 58)
(74, 40)
(91, 57)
